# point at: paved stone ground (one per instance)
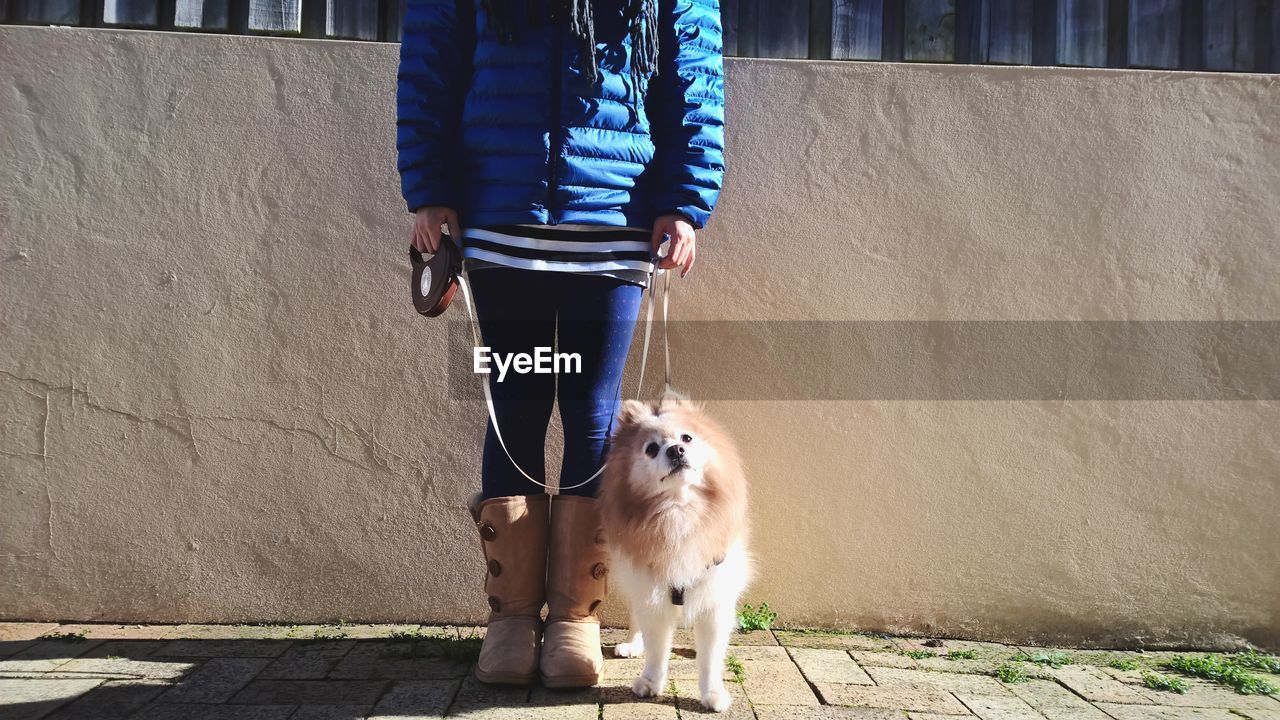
(342, 672)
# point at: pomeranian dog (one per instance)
(673, 501)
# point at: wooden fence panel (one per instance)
(61, 12)
(1216, 35)
(1155, 30)
(1229, 34)
(131, 12)
(729, 26)
(930, 31)
(1272, 49)
(354, 19)
(1001, 32)
(773, 30)
(202, 14)
(856, 27)
(1082, 32)
(275, 16)
(391, 20)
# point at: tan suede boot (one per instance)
(577, 558)
(513, 533)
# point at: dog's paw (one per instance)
(716, 699)
(629, 649)
(645, 686)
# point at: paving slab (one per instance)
(1205, 694)
(46, 655)
(952, 655)
(111, 700)
(830, 712)
(214, 681)
(393, 661)
(1096, 686)
(1081, 656)
(689, 702)
(331, 712)
(57, 675)
(363, 631)
(839, 641)
(178, 711)
(18, 631)
(1121, 711)
(773, 653)
(307, 660)
(540, 695)
(473, 693)
(883, 658)
(998, 707)
(944, 681)
(770, 682)
(171, 670)
(901, 697)
(829, 666)
(1260, 714)
(113, 631)
(753, 637)
(136, 649)
(308, 692)
(222, 648)
(619, 703)
(621, 670)
(943, 646)
(21, 699)
(408, 699)
(199, 631)
(1054, 701)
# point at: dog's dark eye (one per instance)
(686, 438)
(651, 449)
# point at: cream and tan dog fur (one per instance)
(674, 505)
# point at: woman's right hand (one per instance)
(425, 235)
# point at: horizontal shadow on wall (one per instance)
(947, 360)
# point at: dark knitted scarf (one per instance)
(641, 17)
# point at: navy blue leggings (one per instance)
(593, 316)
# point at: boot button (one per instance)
(488, 531)
(495, 604)
(598, 570)
(495, 568)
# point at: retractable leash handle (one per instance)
(464, 283)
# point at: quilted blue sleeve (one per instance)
(688, 122)
(430, 87)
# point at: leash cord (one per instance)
(465, 284)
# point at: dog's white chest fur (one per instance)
(703, 588)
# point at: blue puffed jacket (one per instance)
(516, 133)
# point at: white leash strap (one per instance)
(465, 284)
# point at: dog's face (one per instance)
(662, 447)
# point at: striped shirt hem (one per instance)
(619, 252)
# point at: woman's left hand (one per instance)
(683, 248)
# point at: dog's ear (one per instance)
(633, 411)
(671, 399)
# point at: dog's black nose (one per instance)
(675, 452)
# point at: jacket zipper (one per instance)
(554, 135)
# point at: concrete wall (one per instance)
(218, 405)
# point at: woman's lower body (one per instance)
(588, 316)
(541, 548)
